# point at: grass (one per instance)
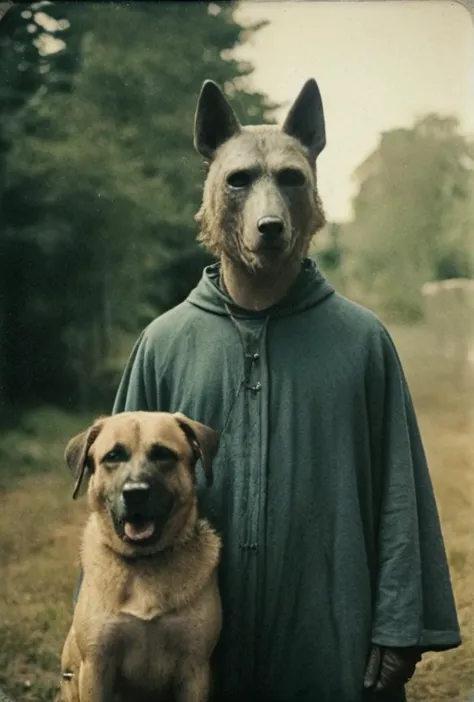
(40, 528)
(445, 406)
(39, 532)
(37, 445)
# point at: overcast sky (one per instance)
(379, 65)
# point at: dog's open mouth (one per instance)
(135, 529)
(140, 529)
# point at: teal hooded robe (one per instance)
(321, 489)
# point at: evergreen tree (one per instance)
(103, 184)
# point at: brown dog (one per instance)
(148, 615)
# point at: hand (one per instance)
(390, 666)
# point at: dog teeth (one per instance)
(68, 676)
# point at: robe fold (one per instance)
(321, 489)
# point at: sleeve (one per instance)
(138, 389)
(414, 602)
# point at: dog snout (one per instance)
(135, 495)
(270, 228)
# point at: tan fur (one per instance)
(147, 617)
(229, 219)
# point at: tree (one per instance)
(103, 187)
(413, 213)
(328, 250)
(26, 71)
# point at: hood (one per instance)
(309, 288)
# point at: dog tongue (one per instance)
(138, 532)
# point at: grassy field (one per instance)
(444, 400)
(40, 527)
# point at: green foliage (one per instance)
(330, 253)
(35, 445)
(27, 71)
(413, 215)
(101, 183)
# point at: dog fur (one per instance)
(148, 615)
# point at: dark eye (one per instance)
(118, 454)
(161, 453)
(291, 178)
(239, 179)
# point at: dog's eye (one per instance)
(161, 453)
(291, 178)
(118, 454)
(239, 179)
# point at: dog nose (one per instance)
(270, 227)
(135, 494)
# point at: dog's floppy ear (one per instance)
(76, 453)
(203, 440)
(215, 121)
(305, 120)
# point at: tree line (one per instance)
(413, 218)
(99, 181)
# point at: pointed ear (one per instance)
(204, 442)
(76, 453)
(215, 121)
(305, 120)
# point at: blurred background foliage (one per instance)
(100, 183)
(413, 219)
